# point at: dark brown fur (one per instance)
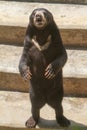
(43, 89)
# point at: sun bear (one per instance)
(41, 62)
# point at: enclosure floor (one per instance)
(15, 109)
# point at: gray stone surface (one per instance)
(53, 1)
(15, 109)
(75, 71)
(75, 66)
(17, 14)
(71, 20)
(65, 15)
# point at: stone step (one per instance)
(54, 1)
(75, 71)
(70, 18)
(15, 109)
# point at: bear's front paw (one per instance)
(49, 72)
(26, 74)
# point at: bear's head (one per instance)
(40, 18)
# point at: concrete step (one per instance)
(15, 109)
(75, 71)
(54, 1)
(71, 20)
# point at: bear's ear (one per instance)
(48, 16)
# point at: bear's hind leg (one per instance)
(33, 120)
(62, 121)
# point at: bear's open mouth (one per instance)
(40, 22)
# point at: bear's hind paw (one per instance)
(30, 123)
(63, 121)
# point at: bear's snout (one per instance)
(38, 17)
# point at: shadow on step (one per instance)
(49, 125)
(52, 124)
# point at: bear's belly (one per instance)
(38, 62)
